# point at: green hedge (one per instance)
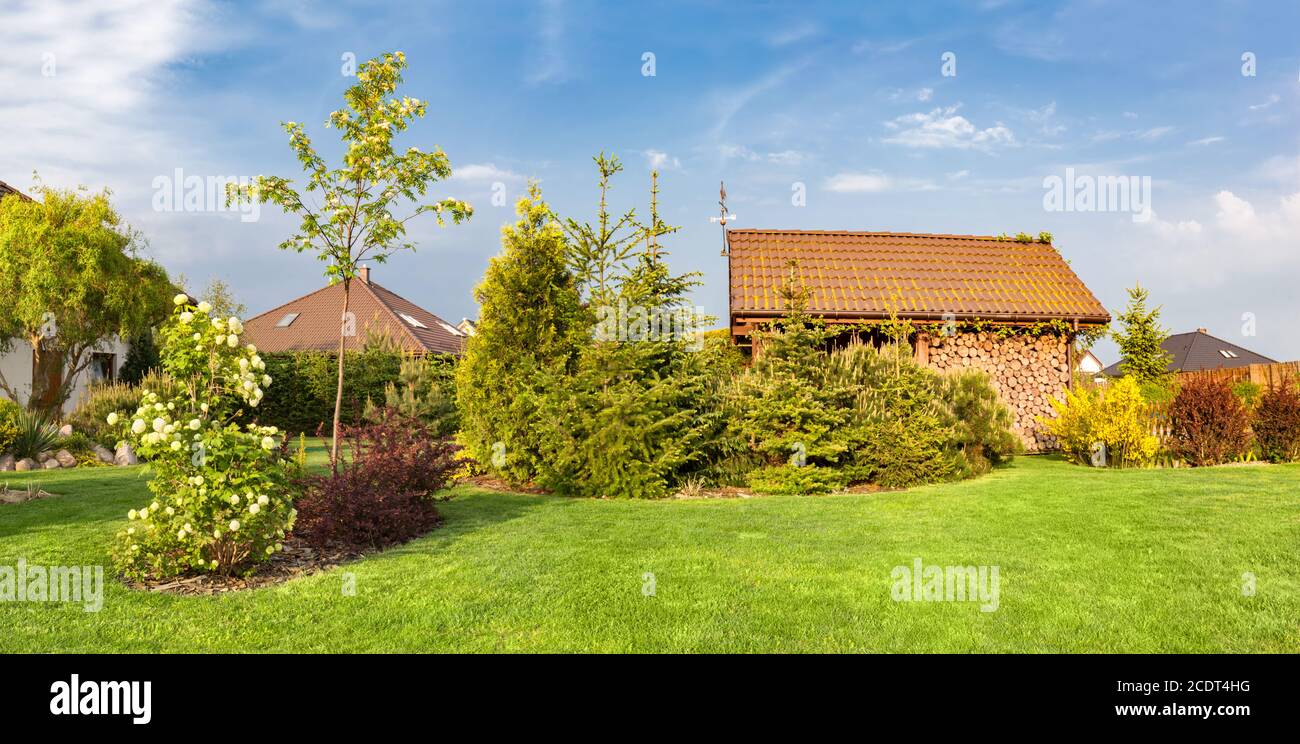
(301, 395)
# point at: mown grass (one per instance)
(1089, 560)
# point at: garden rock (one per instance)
(65, 430)
(103, 453)
(66, 459)
(7, 463)
(26, 463)
(44, 456)
(125, 455)
(52, 464)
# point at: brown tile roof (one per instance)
(377, 310)
(860, 274)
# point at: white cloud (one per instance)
(731, 151)
(549, 65)
(794, 34)
(945, 128)
(1237, 240)
(1207, 141)
(82, 89)
(786, 157)
(660, 160)
(730, 101)
(873, 182)
(1273, 99)
(1154, 133)
(1145, 135)
(925, 94)
(484, 172)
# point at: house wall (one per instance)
(16, 365)
(1026, 371)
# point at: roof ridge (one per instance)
(1198, 335)
(413, 303)
(883, 234)
(393, 313)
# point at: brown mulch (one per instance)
(492, 483)
(21, 495)
(295, 560)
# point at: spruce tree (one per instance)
(1140, 341)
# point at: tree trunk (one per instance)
(338, 393)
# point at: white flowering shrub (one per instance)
(222, 501)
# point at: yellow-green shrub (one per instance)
(1115, 417)
(9, 411)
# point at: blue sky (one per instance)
(847, 101)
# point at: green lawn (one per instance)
(1088, 561)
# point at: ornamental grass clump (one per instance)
(221, 497)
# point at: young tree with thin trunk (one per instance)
(354, 219)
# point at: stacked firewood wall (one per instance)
(1027, 372)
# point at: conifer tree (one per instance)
(1140, 340)
(531, 321)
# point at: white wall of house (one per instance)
(16, 365)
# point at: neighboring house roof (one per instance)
(6, 190)
(467, 327)
(1088, 362)
(1192, 352)
(316, 321)
(863, 274)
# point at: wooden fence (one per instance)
(1267, 376)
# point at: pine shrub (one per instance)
(983, 422)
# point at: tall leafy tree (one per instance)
(1139, 338)
(72, 277)
(531, 319)
(354, 219)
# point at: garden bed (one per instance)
(297, 559)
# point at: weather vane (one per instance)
(723, 214)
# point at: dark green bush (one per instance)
(426, 391)
(301, 397)
(983, 422)
(903, 433)
(1277, 425)
(794, 480)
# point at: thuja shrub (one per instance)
(221, 501)
(1277, 425)
(386, 493)
(1208, 423)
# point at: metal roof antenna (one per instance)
(723, 214)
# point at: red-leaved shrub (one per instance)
(385, 494)
(1209, 425)
(1277, 425)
